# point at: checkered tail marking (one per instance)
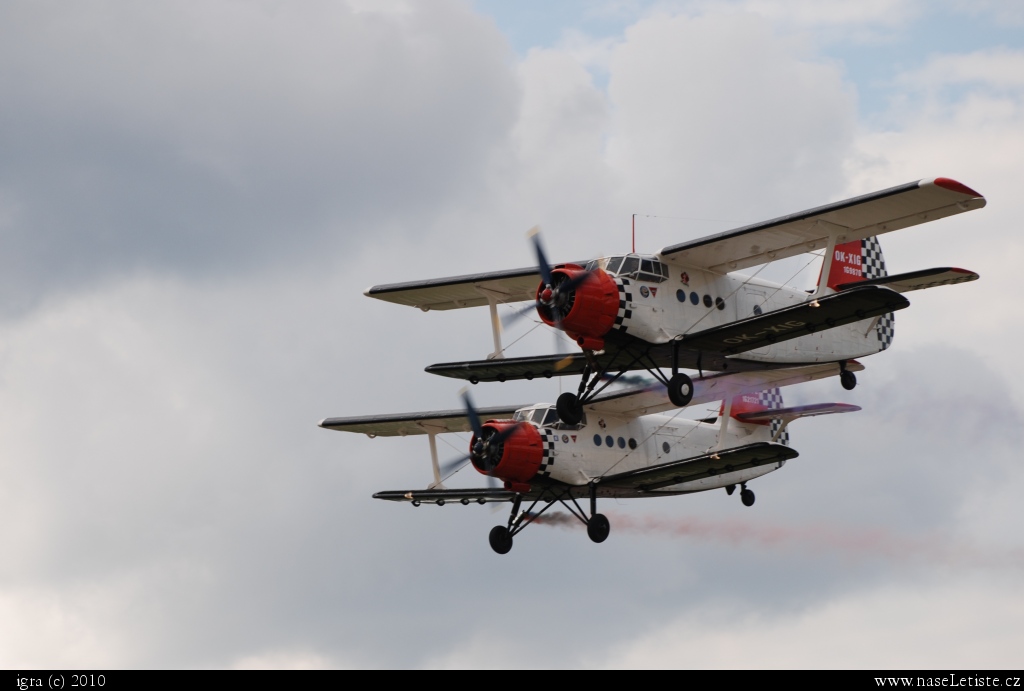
(873, 266)
(772, 399)
(625, 297)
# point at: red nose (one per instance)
(545, 295)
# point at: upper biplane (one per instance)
(624, 445)
(686, 307)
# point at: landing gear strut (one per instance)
(598, 526)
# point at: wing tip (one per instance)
(953, 186)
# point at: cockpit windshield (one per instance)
(546, 416)
(649, 268)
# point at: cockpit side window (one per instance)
(630, 265)
(613, 265)
(550, 417)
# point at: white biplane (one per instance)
(624, 445)
(684, 307)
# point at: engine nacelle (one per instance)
(517, 458)
(587, 311)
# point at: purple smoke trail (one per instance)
(875, 542)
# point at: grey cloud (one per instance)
(180, 137)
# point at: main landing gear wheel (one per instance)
(746, 496)
(848, 380)
(569, 409)
(598, 527)
(500, 539)
(680, 389)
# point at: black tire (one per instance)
(680, 389)
(500, 539)
(569, 409)
(598, 527)
(848, 380)
(747, 497)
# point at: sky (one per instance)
(193, 196)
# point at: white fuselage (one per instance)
(585, 454)
(663, 310)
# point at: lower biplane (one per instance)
(625, 445)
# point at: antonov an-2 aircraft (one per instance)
(687, 307)
(624, 445)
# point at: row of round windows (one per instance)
(696, 299)
(610, 441)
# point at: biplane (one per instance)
(689, 306)
(626, 444)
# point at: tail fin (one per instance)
(769, 399)
(861, 260)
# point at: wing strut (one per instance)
(436, 484)
(492, 304)
(723, 429)
(830, 248)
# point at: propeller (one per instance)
(487, 444)
(558, 293)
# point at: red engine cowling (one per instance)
(515, 459)
(586, 311)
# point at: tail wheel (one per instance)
(569, 409)
(848, 380)
(598, 527)
(680, 389)
(500, 539)
(747, 497)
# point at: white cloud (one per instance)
(960, 624)
(168, 501)
(997, 68)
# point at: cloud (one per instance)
(167, 499)
(188, 138)
(717, 116)
(894, 627)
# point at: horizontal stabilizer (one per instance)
(917, 280)
(701, 467)
(797, 412)
(852, 305)
(441, 497)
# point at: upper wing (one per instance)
(453, 292)
(403, 424)
(854, 219)
(916, 280)
(714, 387)
(699, 467)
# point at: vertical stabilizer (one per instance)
(862, 260)
(770, 399)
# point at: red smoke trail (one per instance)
(858, 543)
